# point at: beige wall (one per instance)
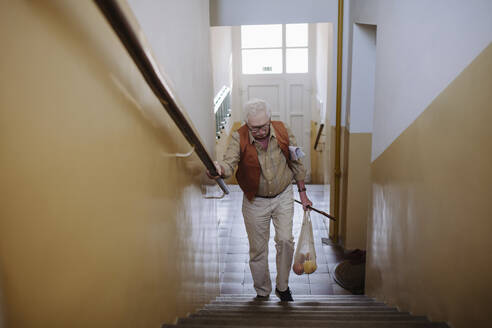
(100, 226)
(358, 190)
(221, 53)
(429, 233)
(2, 315)
(354, 188)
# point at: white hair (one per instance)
(255, 106)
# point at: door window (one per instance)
(265, 48)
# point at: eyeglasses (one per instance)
(256, 129)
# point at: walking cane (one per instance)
(318, 211)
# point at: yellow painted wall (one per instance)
(358, 190)
(355, 161)
(344, 160)
(100, 226)
(331, 169)
(429, 234)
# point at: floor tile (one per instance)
(233, 277)
(236, 258)
(337, 290)
(321, 289)
(234, 267)
(320, 278)
(300, 289)
(238, 249)
(231, 288)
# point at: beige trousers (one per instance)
(257, 215)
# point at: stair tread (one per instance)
(314, 314)
(300, 321)
(294, 304)
(298, 295)
(309, 317)
(295, 311)
(335, 311)
(333, 324)
(304, 308)
(303, 301)
(296, 298)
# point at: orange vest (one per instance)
(248, 169)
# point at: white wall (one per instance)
(178, 32)
(361, 111)
(229, 12)
(221, 49)
(324, 37)
(422, 46)
(346, 59)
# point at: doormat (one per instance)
(350, 273)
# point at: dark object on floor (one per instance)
(350, 273)
(355, 256)
(284, 296)
(328, 242)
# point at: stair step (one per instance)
(228, 296)
(296, 300)
(274, 311)
(332, 324)
(299, 303)
(334, 311)
(298, 314)
(296, 303)
(284, 307)
(311, 317)
(302, 321)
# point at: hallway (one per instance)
(235, 274)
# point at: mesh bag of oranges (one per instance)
(305, 255)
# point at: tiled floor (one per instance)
(235, 274)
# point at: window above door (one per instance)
(274, 49)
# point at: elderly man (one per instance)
(260, 149)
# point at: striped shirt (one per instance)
(275, 174)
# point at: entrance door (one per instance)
(277, 71)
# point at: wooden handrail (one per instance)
(318, 136)
(141, 54)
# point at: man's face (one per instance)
(259, 125)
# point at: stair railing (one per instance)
(126, 29)
(222, 110)
(318, 136)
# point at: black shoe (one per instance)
(262, 298)
(284, 296)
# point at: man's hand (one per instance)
(302, 193)
(305, 200)
(219, 170)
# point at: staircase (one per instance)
(334, 311)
